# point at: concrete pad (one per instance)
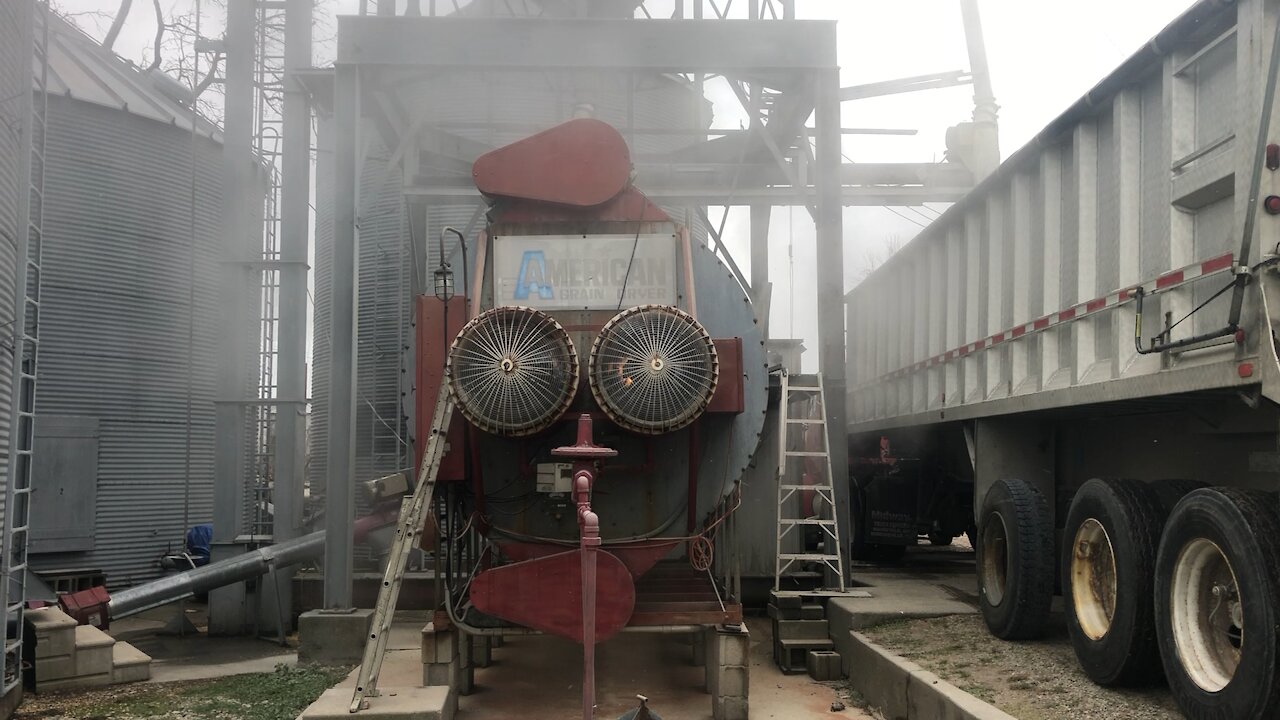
(395, 703)
(333, 637)
(899, 688)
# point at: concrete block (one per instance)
(730, 708)
(498, 641)
(466, 667)
(482, 651)
(394, 703)
(55, 632)
(439, 646)
(812, 612)
(800, 629)
(789, 602)
(823, 665)
(733, 645)
(434, 674)
(129, 664)
(734, 681)
(56, 668)
(333, 637)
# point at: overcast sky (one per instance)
(1043, 56)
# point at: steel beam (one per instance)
(576, 43)
(341, 466)
(830, 247)
(241, 232)
(291, 426)
(761, 289)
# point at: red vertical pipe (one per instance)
(693, 478)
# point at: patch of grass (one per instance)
(278, 695)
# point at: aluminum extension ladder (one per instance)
(413, 512)
(791, 462)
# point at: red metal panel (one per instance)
(431, 351)
(630, 205)
(546, 594)
(582, 162)
(637, 556)
(729, 396)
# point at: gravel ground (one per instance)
(1037, 680)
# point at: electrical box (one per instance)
(555, 477)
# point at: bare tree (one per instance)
(118, 22)
(875, 256)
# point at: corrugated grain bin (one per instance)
(128, 319)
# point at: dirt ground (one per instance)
(1038, 680)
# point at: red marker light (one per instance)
(1245, 370)
(1272, 204)
(1273, 156)
(1240, 337)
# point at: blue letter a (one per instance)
(533, 277)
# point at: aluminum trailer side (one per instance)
(999, 346)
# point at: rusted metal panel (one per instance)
(730, 388)
(432, 346)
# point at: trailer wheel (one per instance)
(1108, 572)
(1015, 560)
(1217, 580)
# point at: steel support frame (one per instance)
(803, 49)
(341, 465)
(291, 428)
(240, 233)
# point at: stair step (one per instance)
(394, 703)
(55, 632)
(807, 644)
(801, 629)
(129, 664)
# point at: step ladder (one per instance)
(414, 511)
(22, 343)
(804, 406)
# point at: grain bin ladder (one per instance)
(16, 487)
(413, 512)
(791, 484)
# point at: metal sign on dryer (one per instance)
(569, 272)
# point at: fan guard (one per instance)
(653, 369)
(513, 371)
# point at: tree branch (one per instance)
(117, 23)
(155, 62)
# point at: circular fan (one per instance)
(653, 369)
(513, 371)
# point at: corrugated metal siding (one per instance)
(1142, 177)
(116, 320)
(15, 106)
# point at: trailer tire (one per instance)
(1015, 560)
(1170, 492)
(1108, 572)
(1217, 579)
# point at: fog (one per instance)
(1042, 56)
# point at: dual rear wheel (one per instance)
(1165, 577)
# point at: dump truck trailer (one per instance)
(1089, 338)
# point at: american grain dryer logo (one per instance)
(562, 272)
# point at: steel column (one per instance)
(240, 237)
(986, 140)
(760, 287)
(291, 367)
(339, 485)
(830, 247)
